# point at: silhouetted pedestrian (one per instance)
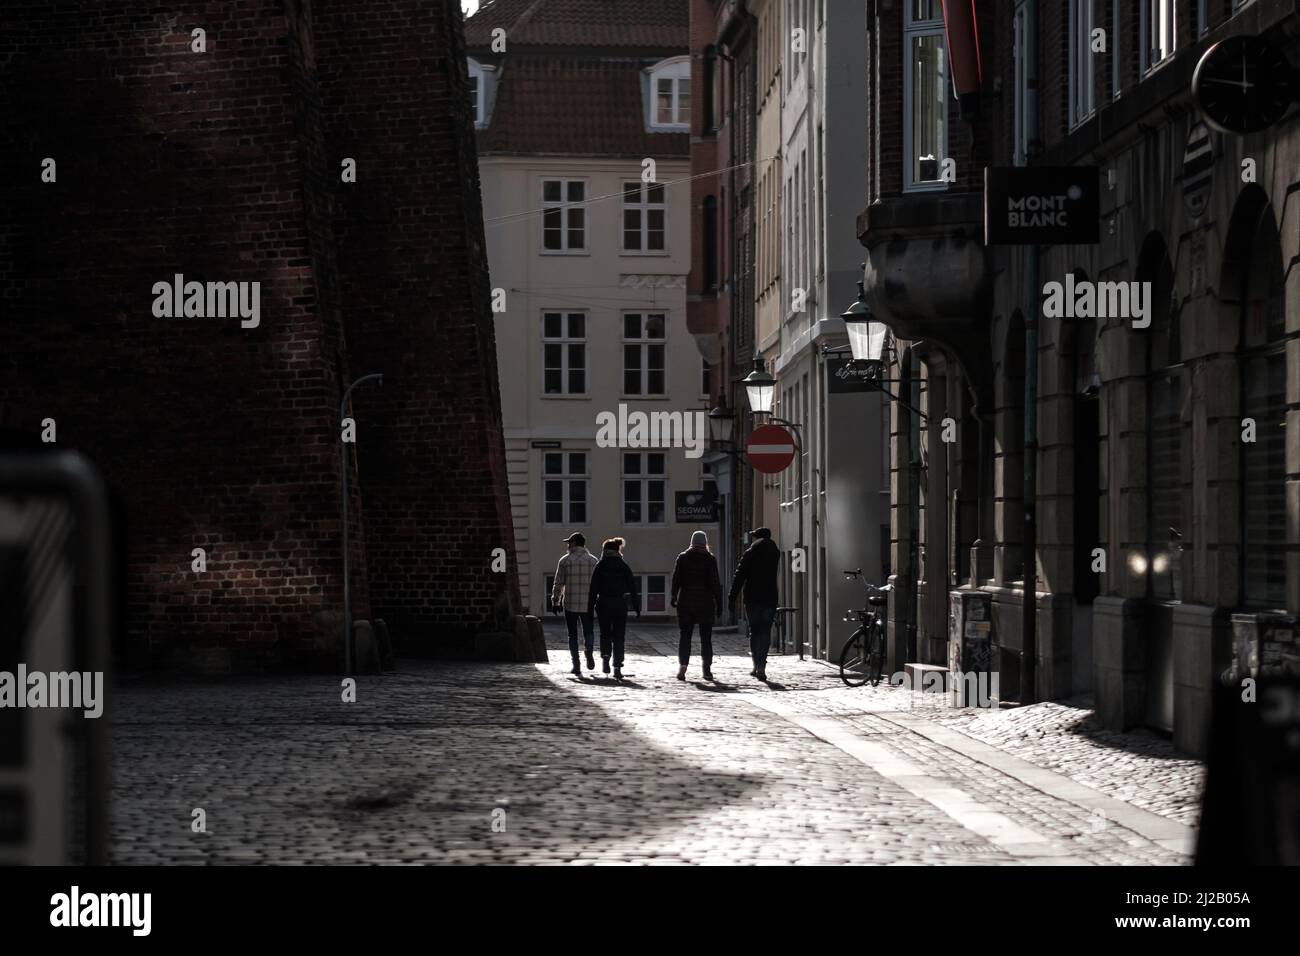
(697, 595)
(756, 576)
(571, 594)
(611, 584)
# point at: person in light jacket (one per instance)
(569, 594)
(611, 584)
(697, 595)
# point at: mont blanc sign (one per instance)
(1048, 205)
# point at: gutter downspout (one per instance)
(913, 505)
(1029, 623)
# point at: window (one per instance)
(1080, 61)
(925, 95)
(643, 354)
(564, 487)
(564, 353)
(478, 87)
(564, 216)
(1158, 35)
(1020, 145)
(819, 208)
(645, 488)
(651, 589)
(706, 378)
(670, 94)
(710, 244)
(645, 226)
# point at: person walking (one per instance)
(611, 583)
(571, 594)
(755, 578)
(697, 595)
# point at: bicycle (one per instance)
(863, 656)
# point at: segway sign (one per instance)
(770, 449)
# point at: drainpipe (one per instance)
(913, 505)
(1029, 632)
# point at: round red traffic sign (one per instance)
(770, 449)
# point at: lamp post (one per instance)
(349, 663)
(760, 387)
(868, 342)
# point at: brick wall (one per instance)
(216, 165)
(416, 305)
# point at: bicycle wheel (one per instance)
(875, 662)
(853, 660)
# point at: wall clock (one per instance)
(1243, 84)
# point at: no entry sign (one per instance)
(770, 449)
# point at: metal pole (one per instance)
(1029, 633)
(349, 660)
(798, 451)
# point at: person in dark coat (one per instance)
(756, 579)
(611, 583)
(697, 595)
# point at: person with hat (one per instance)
(570, 593)
(697, 595)
(756, 578)
(611, 584)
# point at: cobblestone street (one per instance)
(508, 763)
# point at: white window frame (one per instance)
(642, 479)
(643, 591)
(677, 71)
(480, 89)
(643, 207)
(567, 478)
(1081, 66)
(914, 30)
(643, 344)
(565, 341)
(1166, 29)
(566, 207)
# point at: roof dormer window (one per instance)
(480, 90)
(670, 94)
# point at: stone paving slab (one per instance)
(524, 764)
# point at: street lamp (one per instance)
(350, 657)
(866, 335)
(722, 423)
(761, 389)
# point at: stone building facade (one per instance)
(222, 160)
(1163, 519)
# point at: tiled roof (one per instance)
(641, 24)
(574, 106)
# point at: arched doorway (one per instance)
(1252, 275)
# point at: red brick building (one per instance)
(223, 161)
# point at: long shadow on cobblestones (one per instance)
(419, 768)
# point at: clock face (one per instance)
(1243, 84)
